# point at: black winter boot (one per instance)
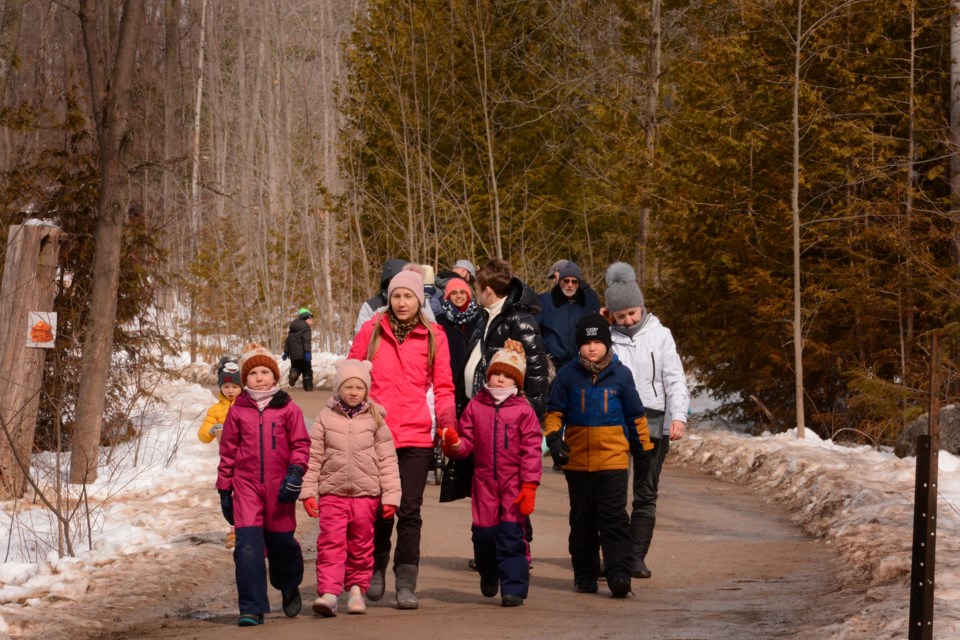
(378, 582)
(641, 530)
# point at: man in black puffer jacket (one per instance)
(509, 307)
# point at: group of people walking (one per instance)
(477, 361)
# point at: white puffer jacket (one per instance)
(651, 355)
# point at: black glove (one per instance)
(291, 485)
(558, 448)
(226, 504)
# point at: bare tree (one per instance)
(111, 79)
(9, 34)
(955, 122)
(653, 101)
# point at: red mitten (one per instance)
(450, 442)
(310, 506)
(389, 511)
(527, 497)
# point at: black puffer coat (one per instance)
(460, 337)
(298, 339)
(516, 323)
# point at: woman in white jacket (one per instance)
(648, 350)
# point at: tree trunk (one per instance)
(795, 206)
(197, 109)
(653, 101)
(29, 284)
(111, 101)
(166, 299)
(955, 125)
(9, 35)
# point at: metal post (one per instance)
(925, 513)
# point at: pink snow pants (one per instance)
(345, 542)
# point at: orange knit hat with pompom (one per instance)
(511, 361)
(256, 356)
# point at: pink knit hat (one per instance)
(409, 278)
(457, 284)
(347, 369)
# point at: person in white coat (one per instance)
(647, 348)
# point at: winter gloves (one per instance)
(310, 506)
(226, 504)
(306, 356)
(292, 484)
(449, 442)
(389, 511)
(214, 429)
(284, 355)
(527, 497)
(559, 450)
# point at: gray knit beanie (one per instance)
(623, 292)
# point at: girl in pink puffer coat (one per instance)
(352, 470)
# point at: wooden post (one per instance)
(925, 513)
(29, 284)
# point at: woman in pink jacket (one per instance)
(352, 471)
(409, 354)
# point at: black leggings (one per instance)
(414, 463)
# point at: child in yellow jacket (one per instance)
(228, 379)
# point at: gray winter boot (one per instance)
(406, 585)
(378, 582)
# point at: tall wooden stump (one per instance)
(29, 284)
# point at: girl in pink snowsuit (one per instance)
(263, 456)
(500, 429)
(353, 469)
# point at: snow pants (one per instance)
(345, 543)
(264, 527)
(501, 552)
(284, 557)
(414, 463)
(301, 367)
(598, 519)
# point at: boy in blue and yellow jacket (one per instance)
(594, 419)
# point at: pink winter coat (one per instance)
(505, 443)
(400, 379)
(255, 450)
(352, 457)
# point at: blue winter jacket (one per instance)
(558, 321)
(602, 416)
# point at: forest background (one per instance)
(779, 173)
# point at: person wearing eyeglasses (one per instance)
(561, 309)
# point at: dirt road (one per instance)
(726, 565)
